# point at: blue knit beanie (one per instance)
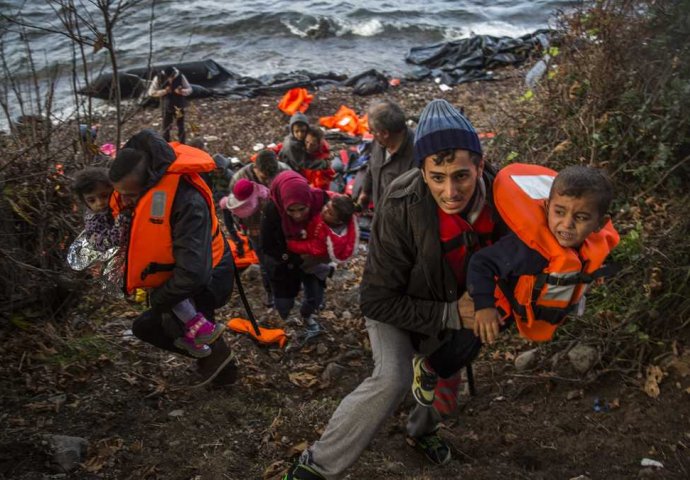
(441, 127)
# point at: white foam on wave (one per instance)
(294, 29)
(497, 29)
(369, 28)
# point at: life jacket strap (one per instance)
(603, 271)
(154, 267)
(469, 239)
(548, 314)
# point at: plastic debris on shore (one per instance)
(465, 60)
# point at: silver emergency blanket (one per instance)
(109, 265)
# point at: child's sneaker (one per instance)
(201, 331)
(423, 382)
(300, 471)
(189, 345)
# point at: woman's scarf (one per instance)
(290, 188)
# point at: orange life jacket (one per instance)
(540, 303)
(249, 256)
(150, 259)
(346, 119)
(266, 335)
(295, 100)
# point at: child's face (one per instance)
(330, 216)
(571, 220)
(311, 143)
(299, 131)
(98, 199)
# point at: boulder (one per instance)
(67, 452)
(583, 357)
(526, 360)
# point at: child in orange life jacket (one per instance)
(571, 222)
(316, 167)
(333, 233)
(94, 189)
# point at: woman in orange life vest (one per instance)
(175, 246)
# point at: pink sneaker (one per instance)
(201, 331)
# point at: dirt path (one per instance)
(88, 377)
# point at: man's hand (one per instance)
(486, 324)
(466, 311)
(363, 201)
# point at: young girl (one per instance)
(332, 233)
(93, 188)
(317, 168)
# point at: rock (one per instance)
(67, 452)
(333, 371)
(648, 462)
(352, 354)
(321, 349)
(343, 275)
(251, 275)
(583, 357)
(556, 360)
(176, 413)
(526, 360)
(574, 394)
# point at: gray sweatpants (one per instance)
(360, 415)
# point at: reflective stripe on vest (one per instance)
(539, 303)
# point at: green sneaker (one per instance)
(432, 446)
(423, 382)
(300, 471)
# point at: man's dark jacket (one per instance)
(193, 276)
(382, 172)
(406, 282)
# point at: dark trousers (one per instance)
(458, 352)
(255, 242)
(313, 296)
(168, 115)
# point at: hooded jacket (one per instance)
(292, 151)
(406, 282)
(193, 275)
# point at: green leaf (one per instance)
(18, 321)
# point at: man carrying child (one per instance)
(175, 249)
(411, 289)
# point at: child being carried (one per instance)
(103, 231)
(333, 233)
